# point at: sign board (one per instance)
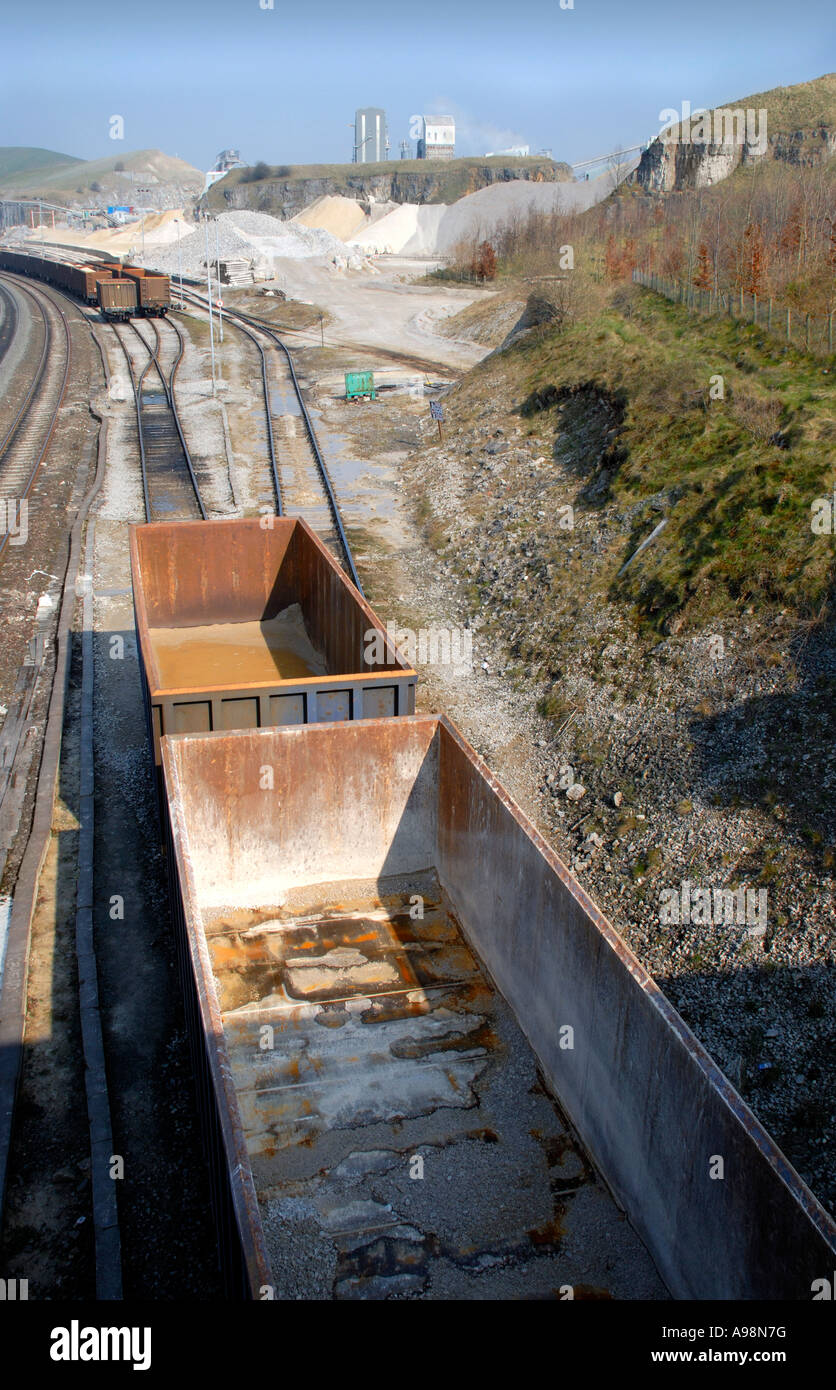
(436, 410)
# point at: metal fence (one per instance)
(809, 332)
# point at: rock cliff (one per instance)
(287, 191)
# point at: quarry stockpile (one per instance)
(254, 237)
(342, 217)
(435, 229)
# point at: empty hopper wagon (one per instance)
(248, 623)
(428, 1066)
(117, 298)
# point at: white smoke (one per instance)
(473, 136)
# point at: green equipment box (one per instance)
(359, 384)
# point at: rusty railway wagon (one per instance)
(389, 975)
(117, 299)
(153, 292)
(138, 292)
(249, 623)
(80, 281)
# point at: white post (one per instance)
(209, 296)
(179, 263)
(220, 291)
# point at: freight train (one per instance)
(378, 951)
(121, 292)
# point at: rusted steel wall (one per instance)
(371, 799)
(186, 574)
(116, 294)
(276, 809)
(648, 1101)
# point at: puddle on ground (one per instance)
(225, 654)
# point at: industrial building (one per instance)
(371, 138)
(226, 160)
(438, 138)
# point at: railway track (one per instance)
(301, 483)
(8, 321)
(170, 488)
(294, 478)
(153, 353)
(25, 443)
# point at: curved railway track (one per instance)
(169, 485)
(25, 443)
(301, 480)
(153, 351)
(9, 321)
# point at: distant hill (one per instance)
(800, 128)
(144, 177)
(23, 160)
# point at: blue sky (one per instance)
(193, 76)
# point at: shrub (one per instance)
(256, 173)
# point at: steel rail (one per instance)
(10, 321)
(24, 411)
(168, 387)
(265, 328)
(136, 388)
(274, 467)
(142, 468)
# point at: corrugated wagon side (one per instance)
(153, 291)
(117, 298)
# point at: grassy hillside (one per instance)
(21, 160)
(69, 178)
(733, 477)
(800, 107)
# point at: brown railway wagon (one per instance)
(338, 1031)
(117, 298)
(84, 281)
(80, 281)
(153, 292)
(249, 623)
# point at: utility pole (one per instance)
(220, 292)
(177, 224)
(209, 297)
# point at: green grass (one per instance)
(67, 174)
(738, 507)
(803, 105)
(22, 159)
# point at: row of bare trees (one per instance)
(769, 231)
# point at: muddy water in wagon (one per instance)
(218, 654)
